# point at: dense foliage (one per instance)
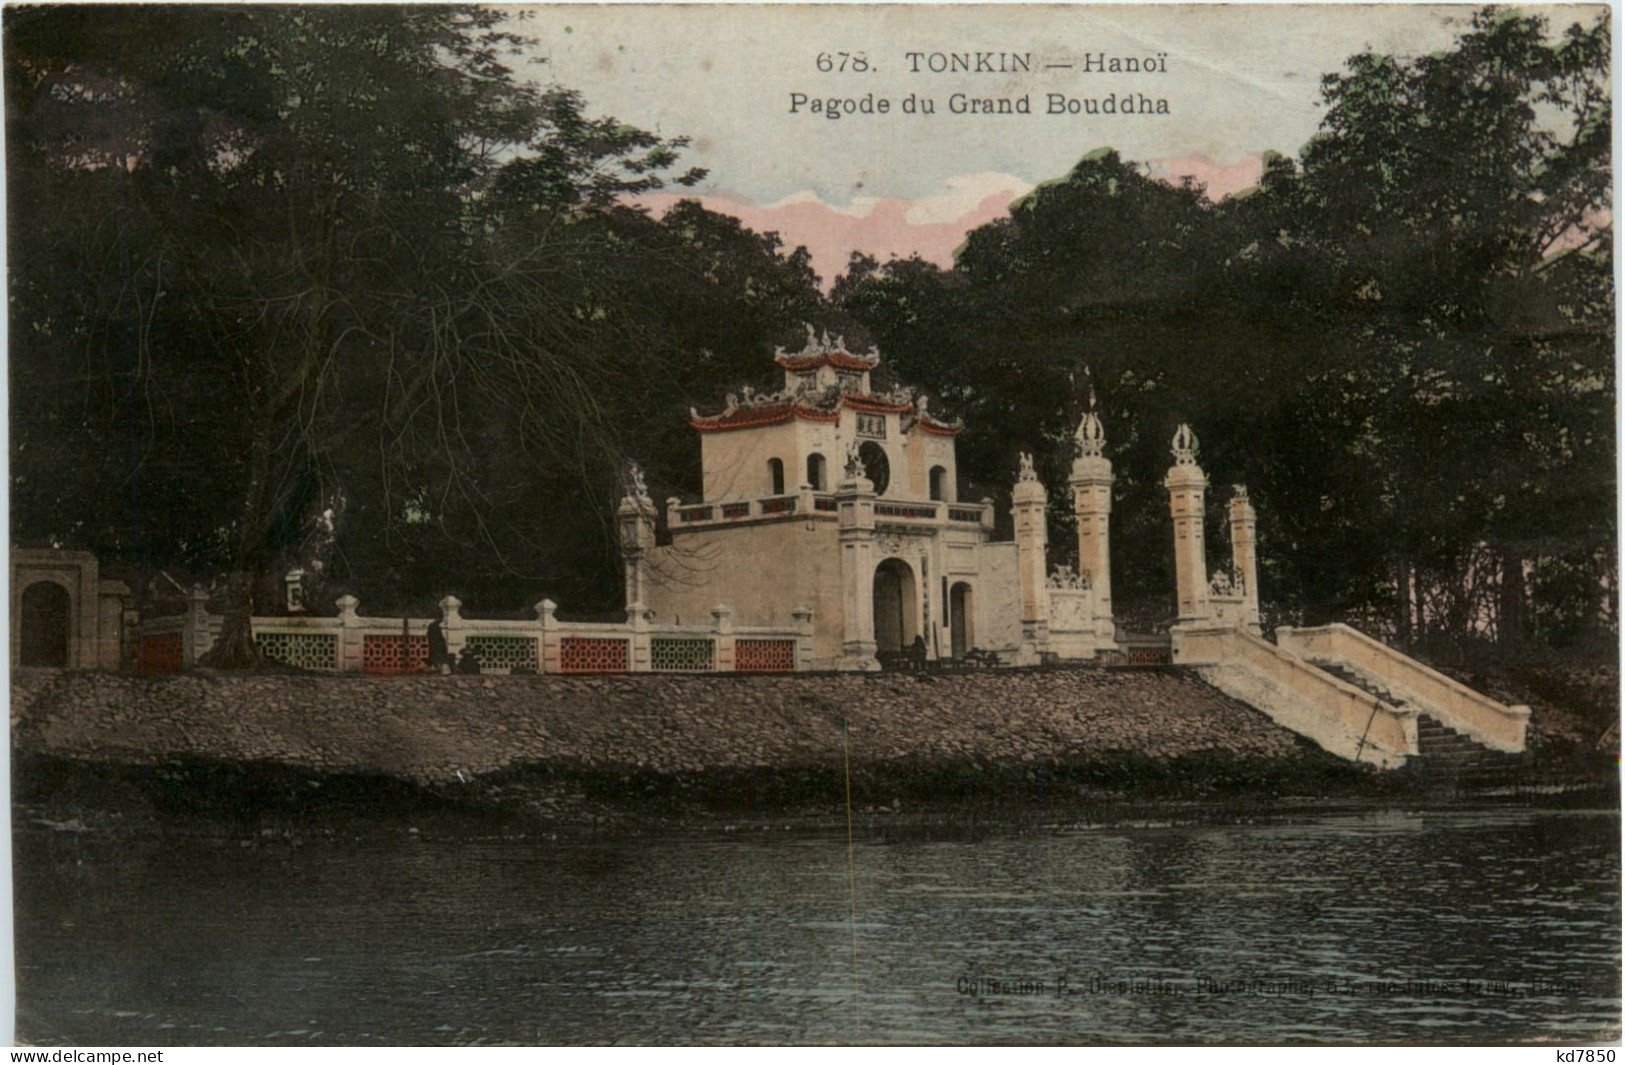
(1402, 341)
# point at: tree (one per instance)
(293, 271)
(1401, 341)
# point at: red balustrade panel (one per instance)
(394, 655)
(764, 656)
(159, 653)
(588, 654)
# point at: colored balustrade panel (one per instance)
(394, 655)
(159, 653)
(594, 654)
(303, 650)
(673, 655)
(504, 654)
(764, 656)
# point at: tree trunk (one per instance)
(1512, 627)
(1402, 627)
(235, 648)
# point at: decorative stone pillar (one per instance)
(1244, 555)
(351, 638)
(636, 517)
(803, 616)
(1030, 504)
(1092, 506)
(546, 619)
(722, 628)
(855, 506)
(113, 603)
(197, 638)
(451, 624)
(1187, 492)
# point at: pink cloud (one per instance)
(1221, 180)
(883, 227)
(931, 227)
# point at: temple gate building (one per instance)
(834, 507)
(830, 499)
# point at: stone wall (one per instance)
(429, 728)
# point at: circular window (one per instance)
(875, 466)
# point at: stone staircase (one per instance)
(1442, 751)
(1451, 755)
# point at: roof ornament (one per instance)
(854, 461)
(819, 345)
(1238, 493)
(1185, 445)
(1027, 473)
(633, 483)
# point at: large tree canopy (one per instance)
(336, 286)
(1402, 340)
(338, 281)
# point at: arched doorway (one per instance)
(962, 635)
(895, 605)
(45, 625)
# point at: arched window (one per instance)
(815, 472)
(775, 471)
(939, 482)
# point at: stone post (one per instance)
(855, 505)
(636, 518)
(1092, 481)
(451, 624)
(550, 635)
(112, 603)
(642, 656)
(722, 628)
(803, 616)
(351, 639)
(1187, 490)
(1244, 556)
(196, 637)
(1030, 504)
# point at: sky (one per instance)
(1239, 80)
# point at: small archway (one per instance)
(775, 474)
(45, 625)
(961, 628)
(876, 466)
(815, 472)
(939, 483)
(896, 605)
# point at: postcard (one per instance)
(787, 524)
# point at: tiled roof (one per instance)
(771, 414)
(838, 359)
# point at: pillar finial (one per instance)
(1091, 434)
(1185, 445)
(1027, 474)
(633, 485)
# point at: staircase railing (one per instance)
(1340, 717)
(1471, 713)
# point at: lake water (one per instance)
(1438, 925)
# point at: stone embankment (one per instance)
(433, 728)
